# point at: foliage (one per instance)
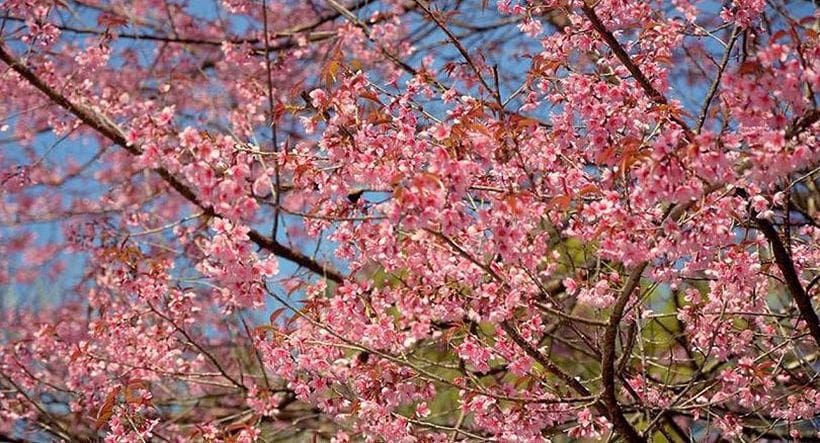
(409, 220)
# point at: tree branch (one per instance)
(786, 265)
(630, 65)
(111, 131)
(609, 395)
(716, 83)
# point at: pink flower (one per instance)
(319, 98)
(440, 131)
(759, 203)
(530, 27)
(189, 137)
(422, 410)
(262, 185)
(439, 265)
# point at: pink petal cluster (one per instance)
(409, 221)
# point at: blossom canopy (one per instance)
(409, 220)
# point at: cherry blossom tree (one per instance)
(409, 220)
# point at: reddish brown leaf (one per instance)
(275, 314)
(107, 408)
(110, 20)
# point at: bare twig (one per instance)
(704, 111)
(200, 348)
(455, 41)
(273, 126)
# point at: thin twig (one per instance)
(716, 83)
(273, 127)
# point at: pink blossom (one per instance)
(444, 221)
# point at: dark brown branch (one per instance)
(297, 257)
(621, 54)
(786, 266)
(111, 131)
(803, 122)
(609, 395)
(630, 65)
(144, 35)
(289, 33)
(608, 373)
(273, 126)
(7, 438)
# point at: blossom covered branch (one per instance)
(409, 220)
